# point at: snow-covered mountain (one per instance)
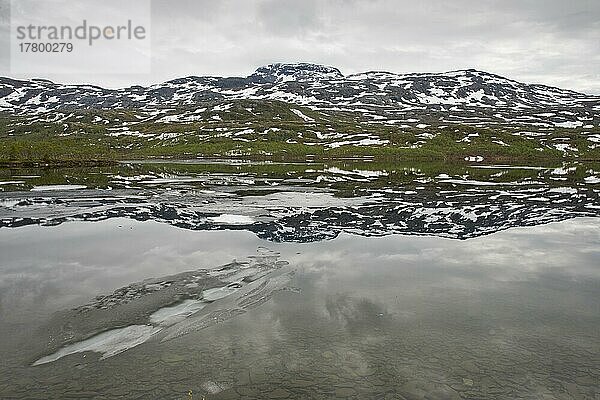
(466, 96)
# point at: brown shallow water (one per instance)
(515, 314)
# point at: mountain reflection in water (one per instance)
(224, 273)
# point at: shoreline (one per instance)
(99, 162)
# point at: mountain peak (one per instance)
(281, 72)
(452, 93)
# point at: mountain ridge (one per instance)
(307, 84)
(385, 72)
(305, 108)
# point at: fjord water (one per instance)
(462, 282)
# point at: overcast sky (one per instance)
(555, 42)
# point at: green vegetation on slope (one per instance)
(267, 130)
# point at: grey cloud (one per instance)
(543, 41)
(289, 17)
(4, 35)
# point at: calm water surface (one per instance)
(506, 312)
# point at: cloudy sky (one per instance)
(555, 42)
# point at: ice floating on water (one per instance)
(249, 296)
(42, 188)
(109, 343)
(171, 315)
(116, 341)
(219, 293)
(232, 219)
(255, 281)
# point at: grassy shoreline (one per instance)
(44, 148)
(458, 159)
(64, 152)
(57, 163)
